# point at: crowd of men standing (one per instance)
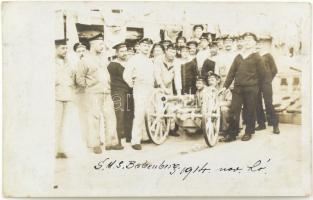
(118, 91)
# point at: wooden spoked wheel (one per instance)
(156, 120)
(211, 127)
(211, 119)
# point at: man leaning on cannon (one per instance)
(247, 71)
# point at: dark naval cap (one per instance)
(211, 74)
(60, 42)
(198, 26)
(119, 45)
(250, 34)
(80, 44)
(192, 42)
(146, 40)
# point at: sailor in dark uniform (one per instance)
(189, 74)
(121, 94)
(266, 90)
(247, 72)
(192, 45)
(191, 70)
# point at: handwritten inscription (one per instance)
(184, 171)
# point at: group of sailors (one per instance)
(118, 91)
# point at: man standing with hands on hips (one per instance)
(139, 74)
(247, 72)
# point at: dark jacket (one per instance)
(190, 72)
(117, 82)
(208, 65)
(270, 68)
(246, 72)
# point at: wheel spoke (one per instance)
(163, 126)
(155, 121)
(161, 129)
(157, 130)
(169, 121)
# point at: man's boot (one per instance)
(276, 130)
(97, 150)
(117, 147)
(137, 147)
(246, 137)
(229, 138)
(260, 127)
(61, 155)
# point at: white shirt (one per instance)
(224, 61)
(164, 73)
(178, 78)
(64, 82)
(139, 71)
(93, 75)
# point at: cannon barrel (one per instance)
(295, 69)
(167, 98)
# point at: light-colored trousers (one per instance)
(62, 109)
(81, 105)
(142, 97)
(97, 106)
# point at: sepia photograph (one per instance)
(156, 99)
